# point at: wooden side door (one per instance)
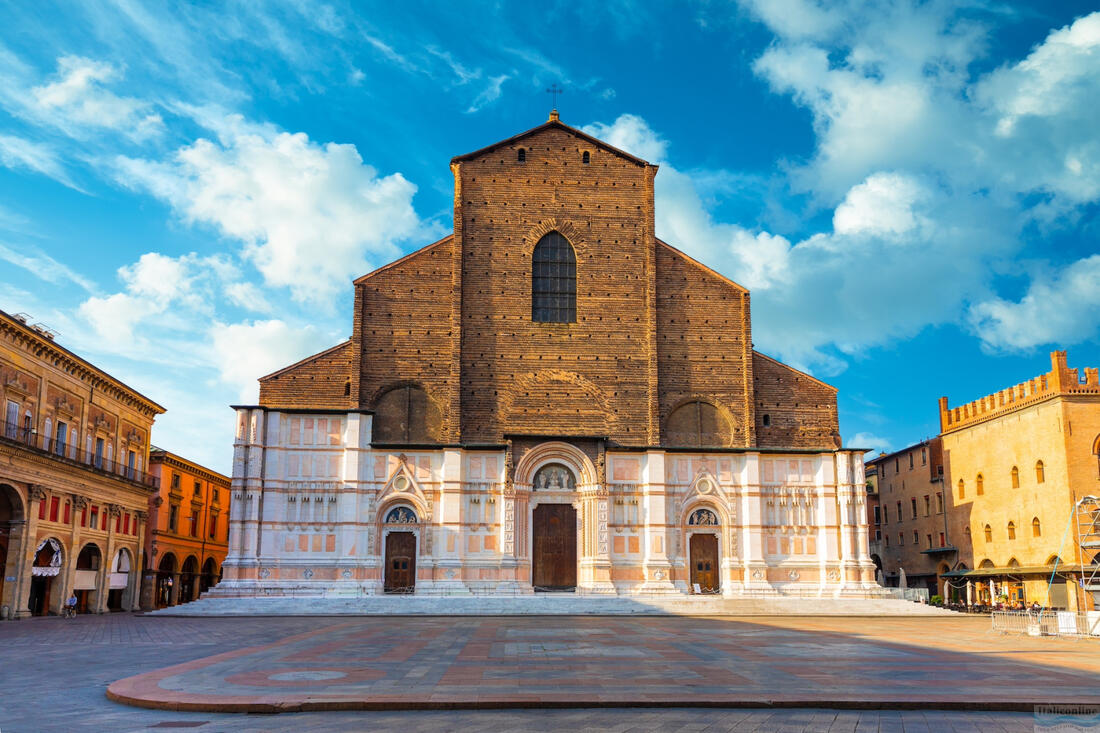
(400, 575)
(554, 540)
(704, 563)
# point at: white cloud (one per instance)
(882, 204)
(875, 443)
(1058, 309)
(246, 351)
(876, 276)
(78, 96)
(43, 266)
(489, 94)
(17, 152)
(632, 134)
(311, 216)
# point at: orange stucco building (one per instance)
(188, 530)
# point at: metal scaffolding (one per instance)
(1088, 545)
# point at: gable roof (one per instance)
(399, 260)
(692, 261)
(314, 357)
(552, 124)
(799, 372)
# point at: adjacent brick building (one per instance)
(912, 517)
(74, 485)
(1009, 468)
(549, 397)
(1016, 461)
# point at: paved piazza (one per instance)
(55, 673)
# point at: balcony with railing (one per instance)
(66, 452)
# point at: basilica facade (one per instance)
(549, 399)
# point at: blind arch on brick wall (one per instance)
(698, 424)
(553, 280)
(405, 414)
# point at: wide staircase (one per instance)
(557, 604)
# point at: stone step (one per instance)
(557, 604)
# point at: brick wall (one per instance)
(404, 325)
(703, 342)
(320, 381)
(800, 410)
(589, 377)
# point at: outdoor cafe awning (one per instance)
(1016, 570)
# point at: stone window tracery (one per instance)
(553, 280)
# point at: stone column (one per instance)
(22, 595)
(655, 563)
(114, 511)
(136, 587)
(752, 527)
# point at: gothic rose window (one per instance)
(703, 518)
(554, 280)
(401, 515)
(554, 476)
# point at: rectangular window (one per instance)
(68, 516)
(61, 435)
(173, 517)
(878, 535)
(929, 537)
(94, 522)
(927, 505)
(899, 511)
(939, 502)
(213, 526)
(99, 452)
(887, 538)
(194, 525)
(11, 420)
(916, 537)
(897, 466)
(103, 521)
(126, 524)
(118, 523)
(55, 504)
(877, 514)
(924, 456)
(910, 460)
(943, 540)
(214, 495)
(913, 504)
(901, 538)
(175, 482)
(84, 516)
(131, 461)
(198, 488)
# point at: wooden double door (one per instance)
(704, 563)
(400, 568)
(554, 544)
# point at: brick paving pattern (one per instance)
(54, 673)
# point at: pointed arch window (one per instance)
(1011, 530)
(1036, 528)
(1015, 477)
(979, 485)
(1040, 473)
(988, 533)
(962, 489)
(554, 280)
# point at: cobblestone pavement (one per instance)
(53, 675)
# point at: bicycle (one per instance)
(68, 612)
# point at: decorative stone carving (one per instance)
(36, 493)
(757, 574)
(265, 573)
(307, 574)
(346, 573)
(79, 502)
(793, 575)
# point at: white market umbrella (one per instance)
(902, 582)
(992, 591)
(970, 593)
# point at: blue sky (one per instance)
(910, 190)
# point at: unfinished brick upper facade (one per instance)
(550, 398)
(654, 329)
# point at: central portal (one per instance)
(555, 547)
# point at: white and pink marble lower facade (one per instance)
(311, 496)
